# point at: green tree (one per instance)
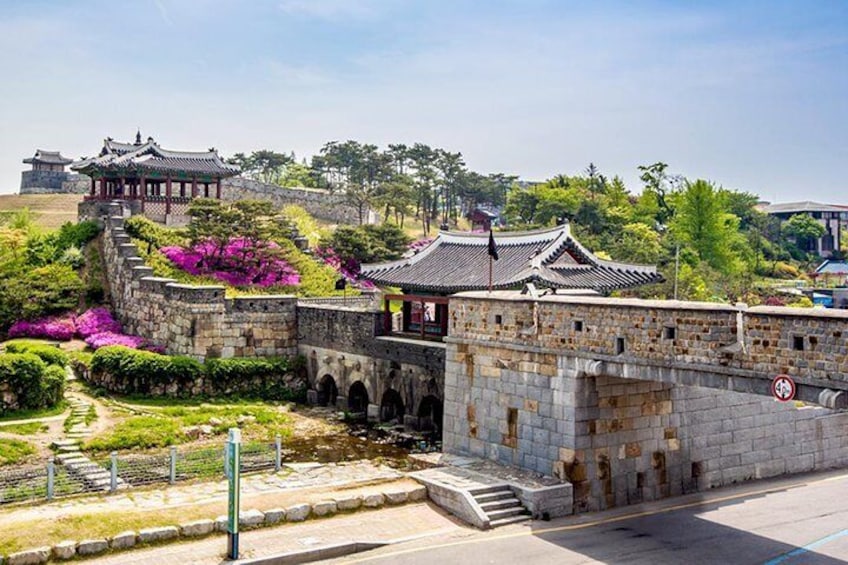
(804, 230)
(701, 222)
(639, 243)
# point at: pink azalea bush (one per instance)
(59, 328)
(348, 268)
(95, 321)
(238, 263)
(96, 326)
(420, 244)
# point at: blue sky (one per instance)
(751, 95)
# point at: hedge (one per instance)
(132, 371)
(47, 353)
(33, 383)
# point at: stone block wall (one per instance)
(193, 320)
(54, 182)
(320, 203)
(536, 396)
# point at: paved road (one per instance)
(787, 522)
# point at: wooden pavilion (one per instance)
(162, 181)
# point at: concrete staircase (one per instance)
(500, 505)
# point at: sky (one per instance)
(750, 95)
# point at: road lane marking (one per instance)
(806, 549)
(612, 520)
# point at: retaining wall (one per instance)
(193, 320)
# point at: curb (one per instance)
(248, 519)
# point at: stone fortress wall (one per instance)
(319, 203)
(541, 396)
(193, 320)
(53, 182)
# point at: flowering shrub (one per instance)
(420, 244)
(103, 339)
(59, 328)
(348, 268)
(95, 321)
(238, 263)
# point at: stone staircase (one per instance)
(500, 505)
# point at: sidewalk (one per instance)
(389, 525)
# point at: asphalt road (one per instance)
(788, 522)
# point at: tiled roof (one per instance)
(454, 262)
(149, 157)
(831, 267)
(48, 157)
(801, 207)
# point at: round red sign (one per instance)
(783, 388)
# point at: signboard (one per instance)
(232, 468)
(783, 388)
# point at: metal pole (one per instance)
(51, 475)
(676, 267)
(173, 465)
(278, 445)
(233, 455)
(113, 486)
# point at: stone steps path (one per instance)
(68, 450)
(500, 505)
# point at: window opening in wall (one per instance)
(798, 343)
(669, 332)
(577, 325)
(619, 345)
(498, 319)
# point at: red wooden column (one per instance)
(93, 187)
(218, 189)
(168, 195)
(103, 188)
(123, 186)
(142, 187)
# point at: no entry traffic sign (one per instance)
(783, 388)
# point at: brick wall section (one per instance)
(193, 320)
(534, 402)
(54, 182)
(320, 203)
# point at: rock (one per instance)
(275, 515)
(206, 430)
(197, 528)
(298, 512)
(324, 508)
(123, 540)
(213, 421)
(397, 496)
(245, 419)
(35, 556)
(221, 523)
(418, 494)
(92, 546)
(150, 535)
(65, 549)
(192, 432)
(373, 500)
(251, 518)
(351, 503)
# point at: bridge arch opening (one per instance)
(357, 398)
(391, 406)
(328, 392)
(430, 412)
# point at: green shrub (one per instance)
(14, 451)
(47, 353)
(140, 371)
(52, 385)
(31, 380)
(139, 227)
(252, 377)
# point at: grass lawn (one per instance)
(157, 423)
(25, 429)
(31, 414)
(14, 451)
(50, 210)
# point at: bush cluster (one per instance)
(47, 353)
(140, 372)
(34, 383)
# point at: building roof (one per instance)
(48, 157)
(801, 208)
(831, 267)
(456, 261)
(149, 157)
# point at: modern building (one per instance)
(460, 261)
(831, 216)
(159, 183)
